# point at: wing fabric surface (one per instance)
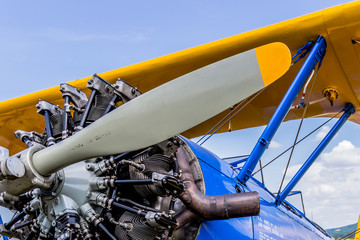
(341, 70)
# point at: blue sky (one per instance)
(45, 43)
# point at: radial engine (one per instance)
(153, 193)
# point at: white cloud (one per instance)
(323, 131)
(274, 145)
(331, 186)
(345, 154)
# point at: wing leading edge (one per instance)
(340, 70)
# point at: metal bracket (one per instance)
(100, 85)
(29, 137)
(43, 106)
(125, 90)
(77, 97)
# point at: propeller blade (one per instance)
(170, 108)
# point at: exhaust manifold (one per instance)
(201, 206)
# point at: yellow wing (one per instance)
(357, 234)
(340, 70)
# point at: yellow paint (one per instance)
(340, 69)
(331, 94)
(274, 60)
(357, 235)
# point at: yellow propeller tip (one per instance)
(274, 61)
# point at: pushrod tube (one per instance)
(66, 117)
(87, 108)
(315, 55)
(347, 113)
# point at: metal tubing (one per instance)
(27, 141)
(111, 105)
(214, 207)
(184, 217)
(348, 111)
(137, 205)
(51, 140)
(294, 193)
(87, 108)
(106, 231)
(234, 164)
(66, 117)
(4, 237)
(134, 181)
(129, 209)
(8, 225)
(315, 55)
(127, 155)
(301, 197)
(23, 224)
(31, 235)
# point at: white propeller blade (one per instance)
(170, 108)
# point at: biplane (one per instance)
(109, 156)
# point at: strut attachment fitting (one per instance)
(331, 94)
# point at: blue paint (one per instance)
(274, 220)
(220, 178)
(303, 51)
(236, 228)
(294, 193)
(348, 111)
(315, 55)
(211, 159)
(239, 160)
(1, 222)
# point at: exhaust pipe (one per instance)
(211, 207)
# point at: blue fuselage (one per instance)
(274, 222)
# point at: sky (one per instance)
(45, 43)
